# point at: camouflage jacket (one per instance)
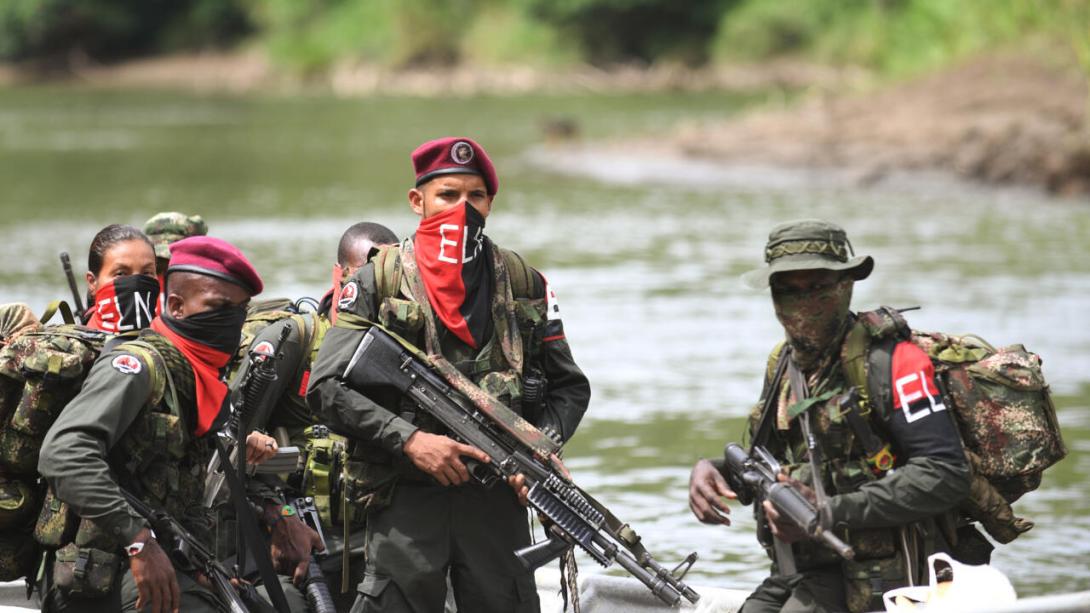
(130, 426)
(382, 422)
(930, 476)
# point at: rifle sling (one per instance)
(764, 427)
(247, 526)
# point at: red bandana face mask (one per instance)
(127, 303)
(453, 256)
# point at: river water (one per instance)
(643, 253)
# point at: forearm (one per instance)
(358, 417)
(922, 488)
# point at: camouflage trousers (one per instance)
(429, 532)
(195, 598)
(818, 590)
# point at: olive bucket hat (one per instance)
(169, 227)
(808, 244)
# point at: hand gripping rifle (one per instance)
(319, 600)
(515, 446)
(755, 476)
(188, 554)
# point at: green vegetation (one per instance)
(893, 37)
(896, 37)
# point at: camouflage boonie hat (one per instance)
(169, 227)
(808, 244)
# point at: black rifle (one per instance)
(188, 554)
(755, 476)
(319, 599)
(516, 447)
(77, 302)
(253, 404)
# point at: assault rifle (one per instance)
(254, 402)
(77, 302)
(755, 476)
(188, 554)
(515, 446)
(253, 405)
(319, 599)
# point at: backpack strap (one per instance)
(53, 307)
(866, 359)
(387, 265)
(521, 274)
(150, 354)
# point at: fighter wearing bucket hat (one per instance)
(141, 421)
(453, 293)
(892, 469)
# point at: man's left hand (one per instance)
(260, 447)
(782, 527)
(518, 482)
(292, 544)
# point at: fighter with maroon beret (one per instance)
(141, 421)
(457, 295)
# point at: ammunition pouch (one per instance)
(368, 487)
(85, 572)
(866, 580)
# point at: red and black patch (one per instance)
(127, 364)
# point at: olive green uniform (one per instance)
(421, 531)
(132, 428)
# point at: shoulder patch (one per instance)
(552, 307)
(914, 388)
(349, 293)
(127, 364)
(263, 348)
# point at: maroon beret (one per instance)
(215, 257)
(454, 155)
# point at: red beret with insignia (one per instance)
(454, 155)
(215, 257)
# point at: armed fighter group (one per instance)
(180, 445)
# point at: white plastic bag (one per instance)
(973, 587)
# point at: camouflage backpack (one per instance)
(1000, 400)
(41, 369)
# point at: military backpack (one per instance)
(41, 369)
(1000, 400)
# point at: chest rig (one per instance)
(508, 366)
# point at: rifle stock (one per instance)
(516, 447)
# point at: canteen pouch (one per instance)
(866, 580)
(368, 486)
(85, 571)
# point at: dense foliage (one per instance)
(892, 36)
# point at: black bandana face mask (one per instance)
(126, 303)
(220, 329)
